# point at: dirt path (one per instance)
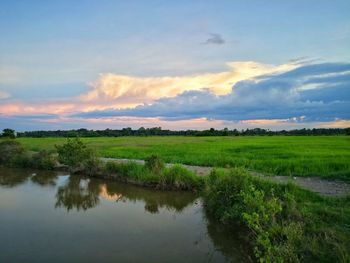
(314, 184)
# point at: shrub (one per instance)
(23, 160)
(10, 150)
(75, 154)
(92, 165)
(155, 164)
(269, 214)
(44, 160)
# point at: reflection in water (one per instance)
(154, 200)
(47, 178)
(82, 193)
(78, 193)
(191, 236)
(230, 247)
(13, 177)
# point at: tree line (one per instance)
(158, 131)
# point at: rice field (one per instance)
(324, 156)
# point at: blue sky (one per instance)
(72, 59)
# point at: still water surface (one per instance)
(54, 217)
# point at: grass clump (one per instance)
(179, 177)
(128, 171)
(287, 224)
(155, 164)
(154, 173)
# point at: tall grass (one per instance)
(171, 178)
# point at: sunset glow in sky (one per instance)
(174, 64)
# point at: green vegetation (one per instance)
(287, 224)
(12, 154)
(45, 160)
(10, 150)
(158, 131)
(77, 156)
(8, 133)
(325, 156)
(154, 164)
(171, 178)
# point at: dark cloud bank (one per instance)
(320, 92)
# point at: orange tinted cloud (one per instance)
(121, 91)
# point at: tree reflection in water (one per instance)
(78, 193)
(44, 178)
(13, 177)
(153, 199)
(82, 193)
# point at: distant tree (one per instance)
(8, 133)
(347, 131)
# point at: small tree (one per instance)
(8, 133)
(74, 153)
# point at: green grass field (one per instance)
(325, 156)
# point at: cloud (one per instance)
(320, 92)
(122, 91)
(215, 39)
(247, 94)
(4, 95)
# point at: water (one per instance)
(54, 217)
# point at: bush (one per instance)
(155, 164)
(9, 151)
(277, 228)
(23, 160)
(44, 160)
(75, 154)
(92, 165)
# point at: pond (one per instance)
(54, 217)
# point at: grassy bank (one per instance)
(286, 223)
(78, 158)
(170, 178)
(325, 156)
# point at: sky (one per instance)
(174, 64)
